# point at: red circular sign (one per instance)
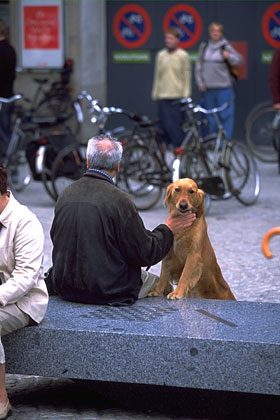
(271, 25)
(187, 20)
(132, 26)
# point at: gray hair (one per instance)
(104, 152)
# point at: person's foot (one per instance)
(5, 409)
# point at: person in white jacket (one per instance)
(23, 293)
(213, 76)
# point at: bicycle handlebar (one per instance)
(215, 110)
(142, 120)
(188, 103)
(11, 99)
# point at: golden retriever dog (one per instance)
(191, 263)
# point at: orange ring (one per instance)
(266, 239)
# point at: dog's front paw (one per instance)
(154, 293)
(174, 295)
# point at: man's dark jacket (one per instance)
(100, 243)
(7, 69)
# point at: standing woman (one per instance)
(23, 293)
(213, 77)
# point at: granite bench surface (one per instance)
(190, 343)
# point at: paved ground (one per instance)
(236, 233)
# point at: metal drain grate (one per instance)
(136, 313)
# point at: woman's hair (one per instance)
(220, 26)
(104, 152)
(3, 180)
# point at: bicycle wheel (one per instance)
(58, 112)
(243, 175)
(259, 134)
(140, 176)
(255, 109)
(68, 166)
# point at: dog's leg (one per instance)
(164, 284)
(190, 276)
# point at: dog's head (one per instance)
(184, 196)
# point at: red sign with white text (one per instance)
(41, 27)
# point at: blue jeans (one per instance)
(171, 119)
(215, 98)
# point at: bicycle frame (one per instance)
(213, 160)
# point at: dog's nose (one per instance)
(183, 205)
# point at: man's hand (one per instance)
(176, 224)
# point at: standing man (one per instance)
(172, 80)
(7, 77)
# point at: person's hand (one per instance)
(178, 223)
(202, 88)
(276, 106)
(225, 54)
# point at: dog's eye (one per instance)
(177, 189)
(191, 191)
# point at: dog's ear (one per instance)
(200, 208)
(168, 193)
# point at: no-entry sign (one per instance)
(187, 20)
(132, 26)
(271, 25)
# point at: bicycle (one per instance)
(222, 168)
(52, 104)
(14, 160)
(41, 153)
(70, 163)
(262, 137)
(30, 154)
(143, 151)
(144, 171)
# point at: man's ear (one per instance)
(87, 161)
(118, 167)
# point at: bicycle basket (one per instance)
(45, 150)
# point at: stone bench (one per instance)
(188, 343)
